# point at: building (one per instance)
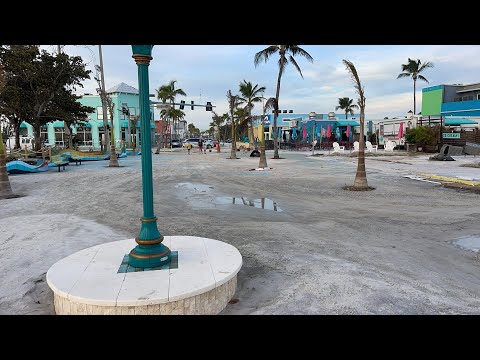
(286, 121)
(91, 133)
(451, 100)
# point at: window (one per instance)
(99, 113)
(44, 134)
(478, 96)
(59, 136)
(84, 135)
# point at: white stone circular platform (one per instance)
(88, 281)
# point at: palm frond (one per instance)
(425, 66)
(403, 75)
(356, 82)
(271, 104)
(421, 77)
(265, 54)
(292, 60)
(296, 50)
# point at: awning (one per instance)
(347, 122)
(23, 125)
(458, 121)
(84, 124)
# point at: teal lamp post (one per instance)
(150, 252)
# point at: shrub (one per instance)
(422, 135)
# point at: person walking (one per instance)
(189, 147)
(200, 145)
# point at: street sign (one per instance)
(451, 135)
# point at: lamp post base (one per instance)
(149, 256)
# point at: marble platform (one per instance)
(88, 282)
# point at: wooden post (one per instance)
(26, 154)
(441, 135)
(43, 153)
(50, 154)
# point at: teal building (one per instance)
(91, 132)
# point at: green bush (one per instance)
(422, 135)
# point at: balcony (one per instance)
(461, 108)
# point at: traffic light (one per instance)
(192, 107)
(209, 106)
(182, 106)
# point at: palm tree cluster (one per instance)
(168, 93)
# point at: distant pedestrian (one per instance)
(200, 145)
(189, 147)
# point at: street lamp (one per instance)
(150, 252)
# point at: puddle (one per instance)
(471, 243)
(262, 203)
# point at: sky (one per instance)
(207, 72)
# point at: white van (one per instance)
(28, 141)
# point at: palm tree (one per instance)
(242, 120)
(233, 102)
(360, 182)
(169, 93)
(250, 95)
(413, 69)
(346, 105)
(287, 55)
(269, 105)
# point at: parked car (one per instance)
(193, 141)
(176, 143)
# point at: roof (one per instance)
(122, 88)
(458, 121)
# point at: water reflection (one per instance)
(263, 203)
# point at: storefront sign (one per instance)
(451, 135)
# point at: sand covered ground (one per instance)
(408, 247)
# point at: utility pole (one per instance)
(66, 129)
(104, 105)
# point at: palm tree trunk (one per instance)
(414, 97)
(255, 146)
(346, 115)
(263, 159)
(275, 132)
(361, 176)
(233, 151)
(5, 188)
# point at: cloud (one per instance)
(206, 72)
